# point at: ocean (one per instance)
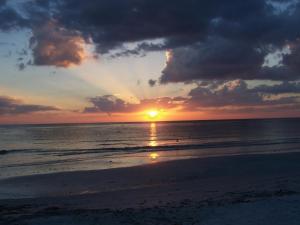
(39, 149)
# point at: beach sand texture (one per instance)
(249, 189)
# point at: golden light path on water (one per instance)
(153, 141)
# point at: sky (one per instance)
(69, 61)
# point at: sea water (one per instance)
(39, 149)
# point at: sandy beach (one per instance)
(202, 191)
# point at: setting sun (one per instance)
(152, 114)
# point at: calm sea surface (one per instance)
(36, 149)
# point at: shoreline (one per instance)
(180, 155)
(176, 172)
(140, 159)
(263, 183)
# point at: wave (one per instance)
(3, 152)
(136, 149)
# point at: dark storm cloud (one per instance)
(112, 104)
(10, 106)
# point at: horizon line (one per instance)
(137, 122)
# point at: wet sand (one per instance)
(202, 191)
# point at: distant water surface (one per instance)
(37, 149)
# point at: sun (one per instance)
(153, 114)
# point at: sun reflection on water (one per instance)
(153, 155)
(153, 136)
(153, 141)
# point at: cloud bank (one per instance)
(235, 95)
(112, 104)
(204, 31)
(11, 106)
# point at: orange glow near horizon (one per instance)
(141, 116)
(153, 114)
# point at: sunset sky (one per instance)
(115, 60)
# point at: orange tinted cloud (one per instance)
(55, 46)
(111, 104)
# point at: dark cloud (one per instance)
(10, 106)
(114, 22)
(2, 3)
(21, 66)
(293, 60)
(237, 93)
(232, 93)
(108, 104)
(209, 40)
(111, 104)
(9, 18)
(213, 59)
(237, 46)
(288, 110)
(283, 88)
(111, 23)
(152, 82)
(217, 95)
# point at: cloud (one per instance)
(111, 104)
(209, 40)
(226, 59)
(2, 3)
(236, 48)
(113, 22)
(237, 93)
(282, 88)
(9, 18)
(53, 45)
(108, 104)
(231, 93)
(234, 95)
(213, 59)
(11, 106)
(152, 82)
